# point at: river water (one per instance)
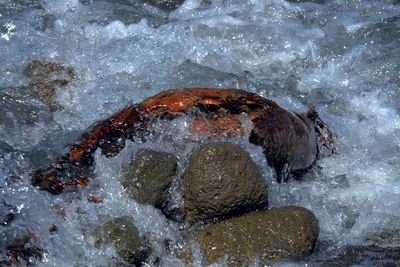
(343, 56)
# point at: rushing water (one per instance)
(343, 56)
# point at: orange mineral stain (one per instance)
(228, 126)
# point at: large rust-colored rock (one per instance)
(270, 235)
(222, 180)
(149, 177)
(290, 140)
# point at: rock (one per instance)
(49, 72)
(149, 177)
(166, 5)
(45, 78)
(289, 140)
(357, 255)
(7, 214)
(387, 237)
(6, 218)
(221, 180)
(21, 249)
(272, 234)
(127, 11)
(16, 109)
(123, 234)
(312, 1)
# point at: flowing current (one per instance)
(343, 56)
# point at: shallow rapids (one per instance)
(343, 56)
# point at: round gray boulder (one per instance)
(221, 180)
(149, 177)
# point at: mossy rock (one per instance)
(221, 180)
(270, 235)
(149, 177)
(125, 237)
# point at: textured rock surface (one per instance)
(221, 180)
(123, 234)
(273, 234)
(46, 77)
(149, 177)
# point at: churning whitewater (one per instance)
(67, 65)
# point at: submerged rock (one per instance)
(124, 235)
(166, 5)
(271, 235)
(354, 255)
(46, 77)
(387, 237)
(312, 1)
(7, 214)
(221, 180)
(16, 109)
(149, 177)
(21, 249)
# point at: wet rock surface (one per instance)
(22, 249)
(166, 5)
(125, 237)
(386, 237)
(20, 111)
(130, 11)
(221, 180)
(149, 176)
(271, 235)
(311, 1)
(7, 214)
(46, 77)
(289, 139)
(356, 255)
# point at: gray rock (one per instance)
(166, 5)
(311, 1)
(387, 237)
(124, 236)
(149, 177)
(272, 234)
(357, 255)
(221, 180)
